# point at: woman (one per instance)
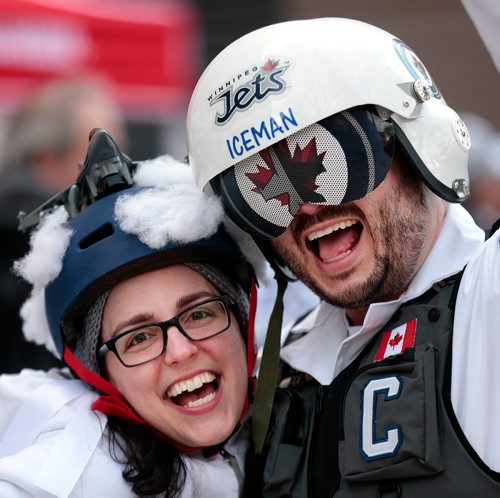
(147, 301)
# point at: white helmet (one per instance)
(282, 86)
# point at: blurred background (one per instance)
(129, 66)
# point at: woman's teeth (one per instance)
(201, 401)
(333, 228)
(190, 385)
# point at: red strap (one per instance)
(112, 402)
(111, 405)
(87, 375)
(251, 346)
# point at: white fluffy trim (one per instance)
(48, 244)
(174, 211)
(35, 326)
(41, 265)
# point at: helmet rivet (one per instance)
(406, 103)
(461, 134)
(461, 188)
(421, 90)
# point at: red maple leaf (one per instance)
(270, 64)
(298, 173)
(395, 340)
(262, 176)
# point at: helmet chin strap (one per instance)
(251, 347)
(112, 402)
(268, 371)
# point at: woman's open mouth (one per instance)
(196, 391)
(336, 241)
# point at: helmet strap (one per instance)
(112, 402)
(251, 348)
(268, 370)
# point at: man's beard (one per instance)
(400, 231)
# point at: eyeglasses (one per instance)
(147, 342)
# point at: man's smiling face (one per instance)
(363, 251)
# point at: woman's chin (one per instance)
(211, 436)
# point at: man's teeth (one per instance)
(190, 384)
(333, 228)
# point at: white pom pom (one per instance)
(35, 325)
(174, 211)
(48, 242)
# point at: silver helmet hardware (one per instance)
(461, 187)
(422, 90)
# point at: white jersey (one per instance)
(475, 387)
(52, 444)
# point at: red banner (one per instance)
(147, 50)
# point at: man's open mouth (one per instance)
(196, 391)
(335, 241)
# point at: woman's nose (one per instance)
(179, 348)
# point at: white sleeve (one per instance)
(30, 474)
(485, 15)
(53, 445)
(475, 387)
(16, 388)
(18, 473)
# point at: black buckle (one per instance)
(104, 171)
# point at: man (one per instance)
(331, 145)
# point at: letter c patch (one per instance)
(379, 442)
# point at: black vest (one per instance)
(385, 427)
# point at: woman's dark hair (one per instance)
(151, 464)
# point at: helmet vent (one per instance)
(103, 232)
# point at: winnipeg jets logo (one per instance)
(289, 178)
(267, 81)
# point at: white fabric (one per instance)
(60, 450)
(485, 15)
(212, 477)
(475, 385)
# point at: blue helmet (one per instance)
(101, 252)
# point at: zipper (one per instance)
(233, 463)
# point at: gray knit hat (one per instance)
(87, 342)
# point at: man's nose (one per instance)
(308, 209)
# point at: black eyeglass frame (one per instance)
(110, 345)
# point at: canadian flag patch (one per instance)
(397, 340)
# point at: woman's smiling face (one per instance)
(161, 391)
